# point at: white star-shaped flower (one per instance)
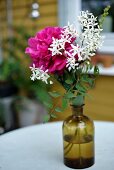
(39, 74)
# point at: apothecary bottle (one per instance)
(78, 140)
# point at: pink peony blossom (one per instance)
(40, 54)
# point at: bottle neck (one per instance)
(77, 110)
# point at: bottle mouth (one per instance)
(77, 106)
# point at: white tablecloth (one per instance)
(40, 148)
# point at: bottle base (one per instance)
(79, 163)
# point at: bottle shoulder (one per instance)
(74, 120)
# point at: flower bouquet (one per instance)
(65, 54)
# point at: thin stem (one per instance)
(85, 131)
(55, 106)
(70, 143)
(73, 138)
(80, 148)
(67, 146)
(69, 149)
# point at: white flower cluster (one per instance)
(90, 38)
(70, 31)
(72, 63)
(58, 45)
(39, 74)
(76, 50)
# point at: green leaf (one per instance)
(47, 104)
(54, 94)
(64, 103)
(90, 66)
(91, 82)
(58, 109)
(83, 93)
(54, 116)
(81, 88)
(78, 101)
(96, 71)
(103, 16)
(69, 95)
(68, 81)
(66, 86)
(84, 78)
(87, 79)
(46, 118)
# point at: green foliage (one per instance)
(68, 81)
(88, 79)
(80, 88)
(48, 104)
(64, 103)
(78, 100)
(40, 92)
(96, 71)
(54, 94)
(69, 95)
(58, 109)
(53, 116)
(10, 69)
(103, 16)
(15, 67)
(46, 118)
(76, 85)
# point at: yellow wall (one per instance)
(21, 15)
(21, 10)
(101, 106)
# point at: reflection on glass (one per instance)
(96, 7)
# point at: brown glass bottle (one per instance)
(78, 140)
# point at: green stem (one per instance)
(67, 146)
(69, 149)
(70, 144)
(57, 103)
(80, 149)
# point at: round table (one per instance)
(40, 147)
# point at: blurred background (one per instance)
(23, 102)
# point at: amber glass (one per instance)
(78, 140)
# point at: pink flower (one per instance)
(40, 54)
